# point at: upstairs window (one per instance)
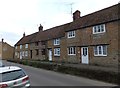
(100, 50)
(56, 41)
(16, 47)
(36, 43)
(20, 46)
(26, 45)
(37, 51)
(71, 34)
(99, 29)
(43, 42)
(26, 53)
(43, 52)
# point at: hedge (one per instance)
(111, 77)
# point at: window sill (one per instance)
(100, 55)
(99, 33)
(72, 54)
(71, 37)
(56, 55)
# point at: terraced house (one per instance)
(90, 39)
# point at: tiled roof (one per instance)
(102, 16)
(26, 39)
(48, 34)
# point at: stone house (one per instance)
(89, 39)
(93, 39)
(6, 51)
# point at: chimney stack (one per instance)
(24, 34)
(76, 15)
(40, 28)
(2, 40)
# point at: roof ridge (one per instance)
(100, 10)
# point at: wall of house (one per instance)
(70, 42)
(0, 50)
(18, 51)
(38, 47)
(7, 51)
(110, 38)
(63, 50)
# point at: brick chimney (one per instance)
(2, 40)
(40, 28)
(24, 34)
(76, 15)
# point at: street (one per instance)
(40, 77)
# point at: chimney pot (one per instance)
(76, 15)
(2, 40)
(24, 34)
(40, 28)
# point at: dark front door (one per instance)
(31, 54)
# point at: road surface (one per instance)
(41, 77)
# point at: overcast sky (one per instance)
(19, 16)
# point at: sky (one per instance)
(19, 16)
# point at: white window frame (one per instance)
(23, 53)
(26, 46)
(26, 53)
(71, 34)
(99, 29)
(57, 41)
(16, 54)
(100, 50)
(20, 46)
(57, 52)
(15, 47)
(71, 50)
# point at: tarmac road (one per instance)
(41, 77)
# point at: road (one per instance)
(41, 77)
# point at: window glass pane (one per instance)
(73, 33)
(98, 28)
(100, 50)
(13, 75)
(95, 50)
(95, 30)
(104, 50)
(57, 51)
(102, 28)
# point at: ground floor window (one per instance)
(26, 53)
(37, 51)
(43, 51)
(100, 50)
(71, 51)
(57, 52)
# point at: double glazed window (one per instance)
(71, 51)
(26, 46)
(100, 50)
(56, 41)
(20, 46)
(57, 52)
(99, 29)
(71, 34)
(26, 53)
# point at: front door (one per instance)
(50, 54)
(84, 54)
(31, 54)
(20, 55)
